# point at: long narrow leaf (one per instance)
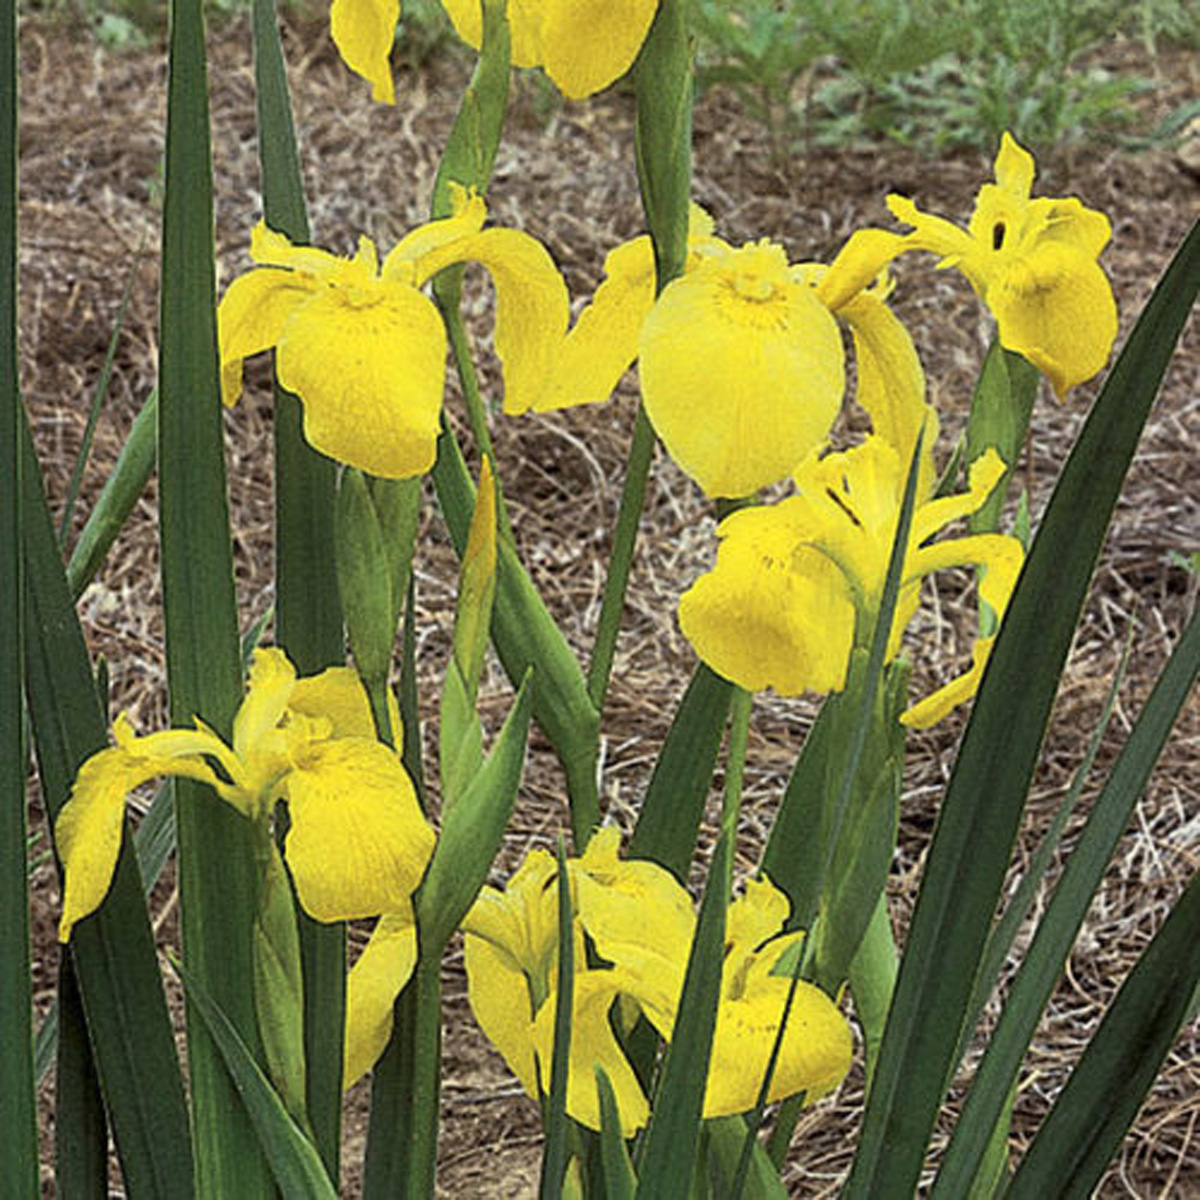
(18, 1128)
(987, 790)
(295, 1163)
(620, 1183)
(1043, 962)
(217, 876)
(671, 810)
(80, 1124)
(113, 950)
(308, 612)
(1105, 1091)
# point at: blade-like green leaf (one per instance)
(218, 881)
(554, 1153)
(294, 1161)
(80, 1126)
(1042, 967)
(668, 1151)
(18, 1122)
(986, 795)
(113, 949)
(671, 810)
(117, 498)
(620, 1183)
(1085, 1127)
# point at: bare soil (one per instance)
(91, 148)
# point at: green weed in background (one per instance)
(931, 75)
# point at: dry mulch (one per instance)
(91, 147)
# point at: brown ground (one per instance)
(90, 161)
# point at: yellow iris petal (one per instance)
(363, 31)
(370, 369)
(774, 611)
(588, 44)
(251, 315)
(593, 1044)
(337, 695)
(741, 369)
(584, 45)
(814, 1056)
(375, 981)
(358, 843)
(87, 833)
(1055, 306)
(269, 689)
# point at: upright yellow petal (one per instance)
(406, 260)
(363, 31)
(375, 981)
(338, 696)
(588, 44)
(369, 367)
(741, 369)
(269, 689)
(358, 843)
(1014, 167)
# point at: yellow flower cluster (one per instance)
(633, 928)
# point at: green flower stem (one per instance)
(18, 1126)
(663, 84)
(633, 498)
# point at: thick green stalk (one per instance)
(18, 1128)
(217, 878)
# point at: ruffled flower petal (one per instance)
(375, 981)
(742, 370)
(775, 611)
(337, 695)
(358, 844)
(269, 689)
(363, 31)
(369, 367)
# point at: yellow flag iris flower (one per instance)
(639, 924)
(357, 844)
(1032, 262)
(583, 45)
(365, 349)
(740, 359)
(781, 607)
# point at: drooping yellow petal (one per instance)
(603, 343)
(406, 260)
(1055, 306)
(741, 369)
(375, 981)
(250, 317)
(363, 31)
(814, 1057)
(532, 308)
(593, 1044)
(369, 366)
(775, 611)
(87, 833)
(858, 264)
(358, 843)
(588, 44)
